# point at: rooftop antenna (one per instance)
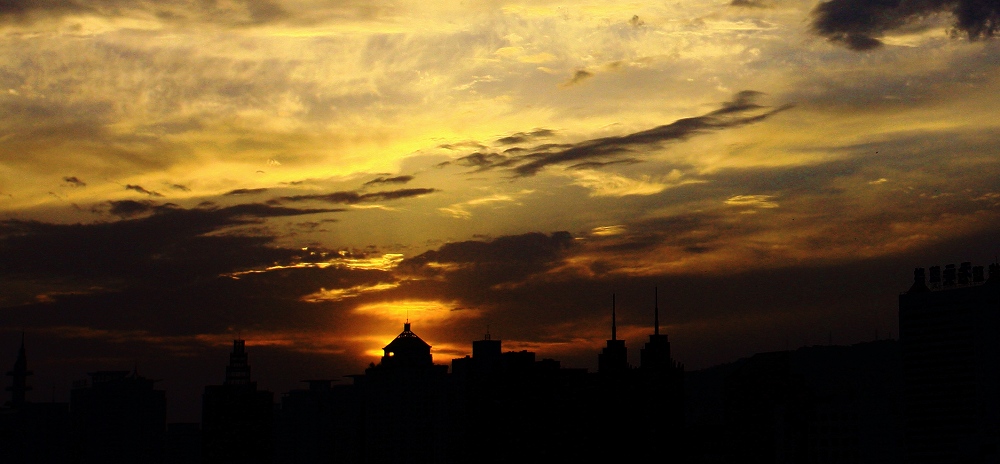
(656, 313)
(614, 327)
(487, 332)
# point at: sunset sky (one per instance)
(308, 174)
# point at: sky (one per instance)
(310, 174)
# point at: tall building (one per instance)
(660, 382)
(655, 355)
(613, 359)
(236, 417)
(36, 433)
(405, 401)
(19, 379)
(949, 332)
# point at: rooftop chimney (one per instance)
(965, 273)
(935, 279)
(977, 274)
(949, 275)
(918, 281)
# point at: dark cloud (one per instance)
(236, 13)
(860, 24)
(741, 111)
(522, 137)
(390, 180)
(167, 243)
(748, 3)
(21, 9)
(140, 189)
(600, 164)
(253, 191)
(578, 77)
(485, 263)
(74, 181)
(484, 161)
(350, 198)
(462, 145)
(180, 187)
(130, 208)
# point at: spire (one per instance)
(614, 327)
(656, 313)
(19, 382)
(613, 359)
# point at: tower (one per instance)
(613, 359)
(236, 417)
(655, 354)
(661, 382)
(238, 370)
(405, 404)
(19, 379)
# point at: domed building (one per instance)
(406, 350)
(406, 408)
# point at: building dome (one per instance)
(407, 349)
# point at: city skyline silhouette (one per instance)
(923, 398)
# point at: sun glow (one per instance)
(423, 310)
(386, 262)
(338, 294)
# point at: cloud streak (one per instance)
(741, 111)
(350, 198)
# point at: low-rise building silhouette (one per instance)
(949, 329)
(118, 417)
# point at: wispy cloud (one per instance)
(74, 181)
(463, 210)
(348, 197)
(741, 111)
(140, 189)
(390, 180)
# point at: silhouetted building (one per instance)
(236, 417)
(613, 359)
(818, 404)
(320, 424)
(405, 401)
(35, 433)
(510, 407)
(118, 417)
(950, 336)
(19, 379)
(660, 387)
(183, 443)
